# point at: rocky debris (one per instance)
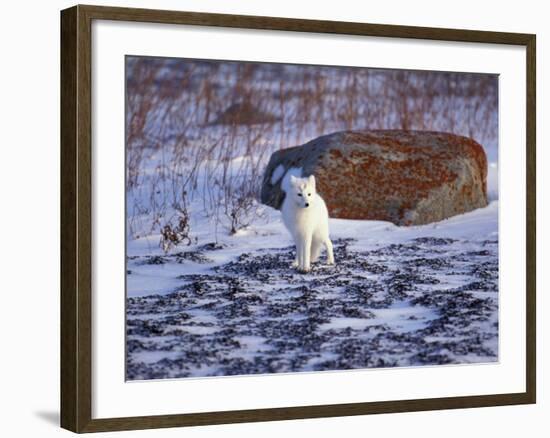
(406, 177)
(195, 256)
(427, 301)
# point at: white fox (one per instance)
(305, 215)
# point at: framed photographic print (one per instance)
(269, 218)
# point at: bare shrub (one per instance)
(199, 133)
(175, 234)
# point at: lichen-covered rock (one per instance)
(405, 177)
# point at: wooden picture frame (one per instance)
(76, 218)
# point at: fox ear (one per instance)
(288, 182)
(311, 180)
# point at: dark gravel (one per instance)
(428, 301)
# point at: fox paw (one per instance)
(303, 269)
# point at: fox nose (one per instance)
(307, 204)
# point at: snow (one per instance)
(238, 310)
(148, 278)
(277, 174)
(402, 317)
(227, 303)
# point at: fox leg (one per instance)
(299, 253)
(303, 253)
(296, 262)
(306, 254)
(330, 253)
(315, 250)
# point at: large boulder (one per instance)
(405, 177)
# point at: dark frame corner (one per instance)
(76, 173)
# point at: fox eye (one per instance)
(309, 194)
(299, 194)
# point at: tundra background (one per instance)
(206, 129)
(32, 347)
(210, 289)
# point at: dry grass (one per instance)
(199, 133)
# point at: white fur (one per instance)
(305, 215)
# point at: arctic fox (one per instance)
(305, 215)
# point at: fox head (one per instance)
(301, 191)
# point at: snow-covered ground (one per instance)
(398, 296)
(230, 303)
